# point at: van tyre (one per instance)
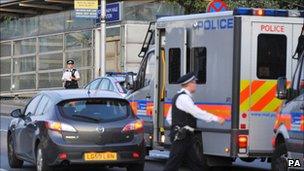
(13, 161)
(278, 160)
(41, 164)
(136, 167)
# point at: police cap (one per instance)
(187, 78)
(70, 62)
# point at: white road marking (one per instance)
(5, 116)
(2, 169)
(3, 130)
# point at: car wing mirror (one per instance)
(16, 113)
(281, 88)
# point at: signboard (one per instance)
(216, 6)
(113, 12)
(86, 8)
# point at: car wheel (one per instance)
(136, 167)
(41, 164)
(13, 161)
(278, 160)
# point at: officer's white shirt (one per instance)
(68, 74)
(185, 103)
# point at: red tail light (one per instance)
(59, 127)
(135, 154)
(136, 126)
(243, 141)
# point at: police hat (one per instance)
(187, 78)
(70, 62)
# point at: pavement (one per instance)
(150, 165)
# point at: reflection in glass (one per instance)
(51, 23)
(24, 82)
(5, 83)
(5, 66)
(51, 61)
(79, 40)
(27, 46)
(85, 77)
(5, 49)
(48, 80)
(24, 64)
(51, 43)
(81, 58)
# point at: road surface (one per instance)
(149, 166)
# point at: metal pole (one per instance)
(102, 69)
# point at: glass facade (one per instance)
(34, 50)
(38, 63)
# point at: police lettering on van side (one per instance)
(215, 24)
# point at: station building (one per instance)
(39, 36)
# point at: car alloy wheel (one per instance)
(39, 160)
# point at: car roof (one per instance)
(114, 78)
(61, 95)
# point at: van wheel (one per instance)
(136, 167)
(278, 160)
(41, 164)
(13, 161)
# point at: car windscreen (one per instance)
(95, 110)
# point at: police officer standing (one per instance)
(70, 76)
(182, 117)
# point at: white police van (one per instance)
(237, 56)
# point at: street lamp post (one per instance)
(102, 61)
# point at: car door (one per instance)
(20, 139)
(31, 128)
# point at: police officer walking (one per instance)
(182, 117)
(70, 76)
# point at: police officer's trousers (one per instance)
(185, 150)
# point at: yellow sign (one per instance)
(86, 4)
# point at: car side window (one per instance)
(42, 104)
(32, 105)
(94, 84)
(111, 87)
(104, 85)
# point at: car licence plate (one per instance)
(105, 156)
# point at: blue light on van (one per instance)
(269, 12)
(281, 13)
(242, 11)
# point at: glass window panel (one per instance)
(5, 49)
(85, 77)
(47, 80)
(30, 26)
(81, 58)
(24, 64)
(51, 43)
(21, 82)
(79, 40)
(11, 29)
(5, 66)
(174, 65)
(200, 64)
(5, 82)
(271, 58)
(51, 23)
(51, 61)
(27, 46)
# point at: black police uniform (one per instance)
(73, 84)
(185, 149)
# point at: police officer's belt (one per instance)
(181, 132)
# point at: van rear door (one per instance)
(271, 51)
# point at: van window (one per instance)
(150, 69)
(271, 58)
(200, 63)
(174, 65)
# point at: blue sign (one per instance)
(86, 13)
(113, 12)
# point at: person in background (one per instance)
(70, 76)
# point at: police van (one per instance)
(288, 139)
(237, 57)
